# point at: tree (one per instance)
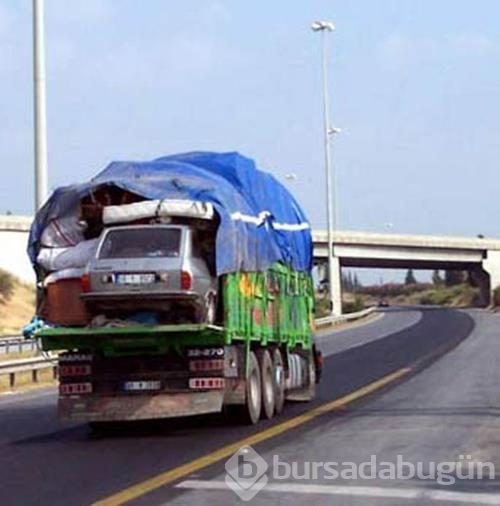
(350, 282)
(410, 278)
(436, 278)
(346, 282)
(356, 283)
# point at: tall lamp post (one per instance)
(39, 105)
(324, 27)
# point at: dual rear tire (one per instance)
(265, 385)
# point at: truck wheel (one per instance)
(279, 381)
(308, 391)
(253, 403)
(267, 377)
(312, 380)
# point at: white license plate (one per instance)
(135, 386)
(135, 279)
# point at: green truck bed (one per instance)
(133, 339)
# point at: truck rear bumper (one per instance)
(92, 408)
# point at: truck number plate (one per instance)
(135, 279)
(134, 386)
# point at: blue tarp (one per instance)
(261, 223)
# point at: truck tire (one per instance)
(312, 380)
(279, 381)
(253, 401)
(268, 384)
(308, 391)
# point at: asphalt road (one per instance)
(43, 462)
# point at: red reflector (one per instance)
(74, 370)
(207, 383)
(85, 282)
(75, 388)
(186, 280)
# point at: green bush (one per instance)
(354, 306)
(439, 297)
(322, 307)
(394, 289)
(6, 284)
(457, 295)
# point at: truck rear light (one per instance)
(206, 365)
(75, 370)
(85, 281)
(75, 388)
(186, 280)
(206, 383)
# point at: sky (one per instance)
(414, 85)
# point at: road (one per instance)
(439, 409)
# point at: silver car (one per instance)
(169, 269)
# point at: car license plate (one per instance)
(135, 386)
(135, 279)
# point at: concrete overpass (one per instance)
(14, 232)
(480, 257)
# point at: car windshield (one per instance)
(141, 243)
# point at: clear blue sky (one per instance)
(415, 87)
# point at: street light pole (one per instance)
(39, 105)
(324, 27)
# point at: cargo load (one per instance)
(194, 269)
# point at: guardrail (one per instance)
(336, 320)
(33, 365)
(17, 345)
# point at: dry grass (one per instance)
(6, 357)
(17, 310)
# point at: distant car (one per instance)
(162, 268)
(383, 303)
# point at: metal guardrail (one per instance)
(33, 365)
(336, 320)
(17, 345)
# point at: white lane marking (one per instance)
(382, 492)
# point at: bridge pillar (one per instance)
(491, 265)
(482, 280)
(337, 289)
